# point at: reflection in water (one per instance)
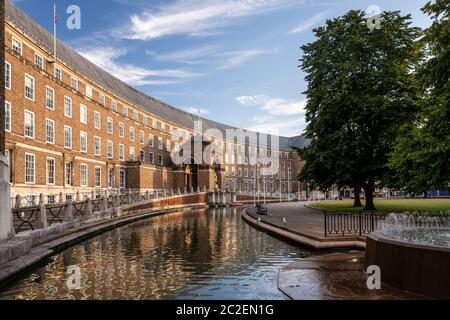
(205, 254)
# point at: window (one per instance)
(151, 140)
(160, 160)
(110, 126)
(121, 130)
(172, 130)
(101, 99)
(145, 120)
(111, 178)
(83, 114)
(7, 116)
(7, 75)
(50, 131)
(123, 179)
(50, 171)
(135, 116)
(29, 124)
(67, 107)
(29, 87)
(83, 175)
(160, 143)
(89, 92)
(50, 98)
(168, 145)
(141, 155)
(131, 134)
(67, 137)
(68, 173)
(98, 177)
(141, 137)
(97, 120)
(154, 124)
(58, 73)
(39, 61)
(97, 146)
(114, 105)
(74, 83)
(17, 46)
(125, 111)
(132, 154)
(163, 127)
(121, 152)
(110, 149)
(151, 158)
(83, 141)
(29, 168)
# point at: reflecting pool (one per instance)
(200, 254)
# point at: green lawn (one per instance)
(430, 205)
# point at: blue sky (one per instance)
(236, 61)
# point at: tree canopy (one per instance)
(422, 156)
(361, 91)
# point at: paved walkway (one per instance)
(298, 217)
(303, 225)
(337, 276)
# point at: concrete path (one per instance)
(303, 225)
(337, 276)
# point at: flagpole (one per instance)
(54, 29)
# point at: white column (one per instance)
(6, 219)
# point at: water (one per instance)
(204, 254)
(430, 229)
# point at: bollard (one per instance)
(89, 207)
(41, 221)
(104, 205)
(18, 203)
(68, 211)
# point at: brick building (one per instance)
(71, 126)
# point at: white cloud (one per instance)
(196, 17)
(285, 127)
(188, 56)
(274, 106)
(310, 23)
(106, 58)
(233, 59)
(213, 55)
(275, 115)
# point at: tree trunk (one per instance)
(357, 203)
(369, 189)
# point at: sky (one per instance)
(232, 61)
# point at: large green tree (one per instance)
(361, 91)
(422, 157)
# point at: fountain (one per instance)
(413, 252)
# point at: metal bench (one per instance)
(260, 209)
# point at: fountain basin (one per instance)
(412, 266)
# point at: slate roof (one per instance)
(108, 82)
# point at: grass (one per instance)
(398, 205)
